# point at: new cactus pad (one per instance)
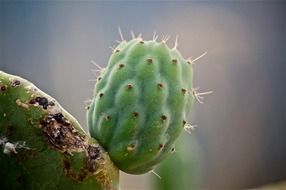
(140, 105)
(42, 147)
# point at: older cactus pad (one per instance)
(140, 104)
(43, 147)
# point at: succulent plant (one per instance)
(181, 170)
(140, 106)
(141, 102)
(44, 147)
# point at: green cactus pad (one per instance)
(140, 104)
(42, 147)
(186, 163)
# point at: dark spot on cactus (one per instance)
(3, 88)
(33, 101)
(120, 65)
(59, 117)
(131, 147)
(16, 83)
(174, 61)
(129, 86)
(173, 150)
(189, 62)
(184, 122)
(184, 91)
(164, 117)
(66, 164)
(101, 94)
(160, 85)
(61, 134)
(160, 146)
(42, 101)
(135, 114)
(117, 50)
(51, 104)
(99, 78)
(149, 61)
(141, 42)
(107, 117)
(93, 152)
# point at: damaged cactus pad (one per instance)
(44, 147)
(140, 105)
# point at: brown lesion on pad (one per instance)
(15, 83)
(3, 88)
(64, 137)
(42, 101)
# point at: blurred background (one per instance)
(242, 126)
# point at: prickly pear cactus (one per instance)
(42, 147)
(186, 163)
(140, 103)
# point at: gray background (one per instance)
(242, 125)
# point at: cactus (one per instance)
(141, 101)
(44, 147)
(185, 163)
